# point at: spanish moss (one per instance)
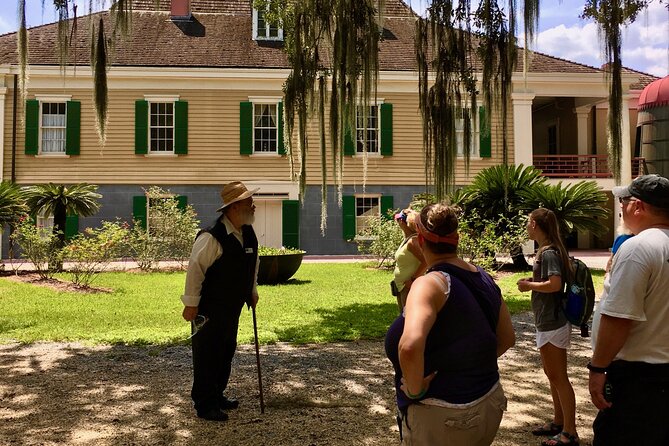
(610, 16)
(22, 43)
(62, 8)
(531, 22)
(335, 40)
(452, 45)
(100, 98)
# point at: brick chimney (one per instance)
(180, 9)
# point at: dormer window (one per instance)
(263, 30)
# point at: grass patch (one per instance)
(517, 301)
(322, 303)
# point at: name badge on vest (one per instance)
(249, 250)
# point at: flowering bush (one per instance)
(93, 250)
(39, 245)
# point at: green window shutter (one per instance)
(245, 128)
(32, 127)
(349, 143)
(386, 204)
(181, 127)
(290, 227)
(139, 210)
(348, 216)
(282, 149)
(141, 127)
(71, 226)
(73, 129)
(182, 202)
(485, 139)
(386, 129)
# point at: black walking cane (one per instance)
(255, 334)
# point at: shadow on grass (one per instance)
(289, 282)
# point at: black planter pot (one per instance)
(273, 269)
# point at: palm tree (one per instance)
(497, 190)
(580, 206)
(495, 195)
(60, 200)
(12, 204)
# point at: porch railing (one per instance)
(581, 166)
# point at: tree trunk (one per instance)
(519, 261)
(59, 217)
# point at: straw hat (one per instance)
(234, 191)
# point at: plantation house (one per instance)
(195, 101)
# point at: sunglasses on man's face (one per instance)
(197, 324)
(624, 200)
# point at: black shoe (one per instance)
(214, 414)
(226, 403)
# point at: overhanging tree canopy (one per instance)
(464, 49)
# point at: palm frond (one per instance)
(78, 199)
(580, 206)
(12, 203)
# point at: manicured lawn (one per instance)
(323, 303)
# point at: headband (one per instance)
(450, 239)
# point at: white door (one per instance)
(268, 222)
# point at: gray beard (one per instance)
(248, 219)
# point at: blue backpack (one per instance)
(579, 296)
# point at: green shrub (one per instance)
(91, 251)
(481, 241)
(170, 233)
(381, 239)
(269, 251)
(39, 245)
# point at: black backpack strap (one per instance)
(466, 280)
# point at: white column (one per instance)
(582, 113)
(582, 129)
(522, 128)
(626, 149)
(3, 93)
(625, 156)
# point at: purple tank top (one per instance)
(461, 345)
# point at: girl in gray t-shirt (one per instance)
(551, 268)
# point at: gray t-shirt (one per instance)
(547, 307)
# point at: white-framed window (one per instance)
(263, 30)
(265, 127)
(53, 124)
(474, 142)
(370, 129)
(155, 221)
(42, 221)
(161, 126)
(366, 208)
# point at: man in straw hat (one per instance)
(221, 277)
(629, 369)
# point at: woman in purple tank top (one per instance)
(444, 348)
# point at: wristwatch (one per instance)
(595, 369)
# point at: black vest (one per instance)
(228, 282)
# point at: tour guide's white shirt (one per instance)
(638, 289)
(206, 250)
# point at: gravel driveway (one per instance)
(330, 394)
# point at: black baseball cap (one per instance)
(652, 189)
